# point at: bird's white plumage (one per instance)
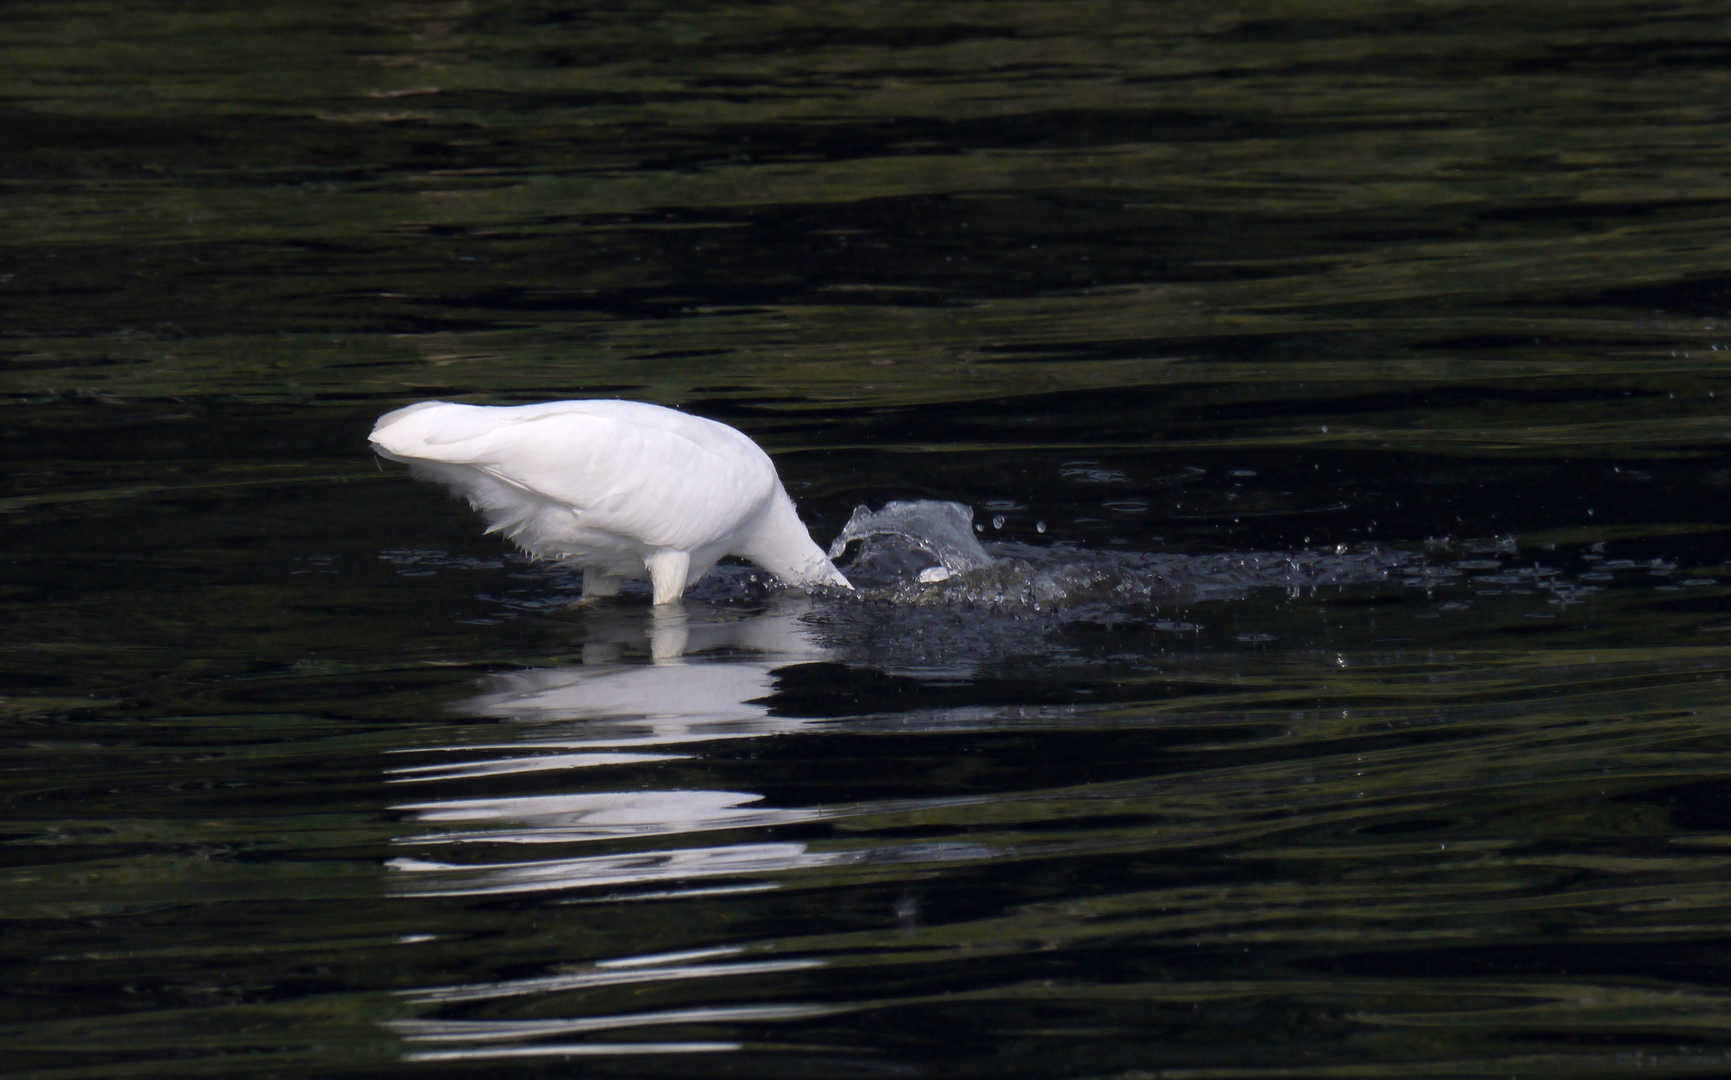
(621, 488)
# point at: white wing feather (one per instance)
(622, 488)
(594, 459)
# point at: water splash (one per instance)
(934, 540)
(924, 552)
(1066, 577)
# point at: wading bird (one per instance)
(620, 488)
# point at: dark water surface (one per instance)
(1335, 383)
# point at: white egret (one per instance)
(620, 488)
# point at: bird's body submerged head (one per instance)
(621, 488)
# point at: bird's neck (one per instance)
(781, 545)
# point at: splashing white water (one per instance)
(942, 531)
(924, 552)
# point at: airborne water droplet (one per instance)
(1039, 526)
(998, 522)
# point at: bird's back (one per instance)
(662, 478)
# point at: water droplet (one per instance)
(998, 522)
(1039, 526)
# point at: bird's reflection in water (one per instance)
(705, 677)
(654, 687)
(650, 681)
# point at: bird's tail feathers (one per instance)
(438, 431)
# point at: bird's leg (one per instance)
(667, 572)
(595, 583)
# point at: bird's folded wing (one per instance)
(663, 478)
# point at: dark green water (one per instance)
(1418, 311)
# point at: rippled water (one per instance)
(1333, 390)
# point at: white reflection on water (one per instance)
(484, 1032)
(603, 710)
(704, 678)
(433, 1031)
(546, 819)
(614, 707)
(620, 971)
(636, 693)
(679, 695)
(599, 976)
(634, 868)
(462, 770)
(598, 1049)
